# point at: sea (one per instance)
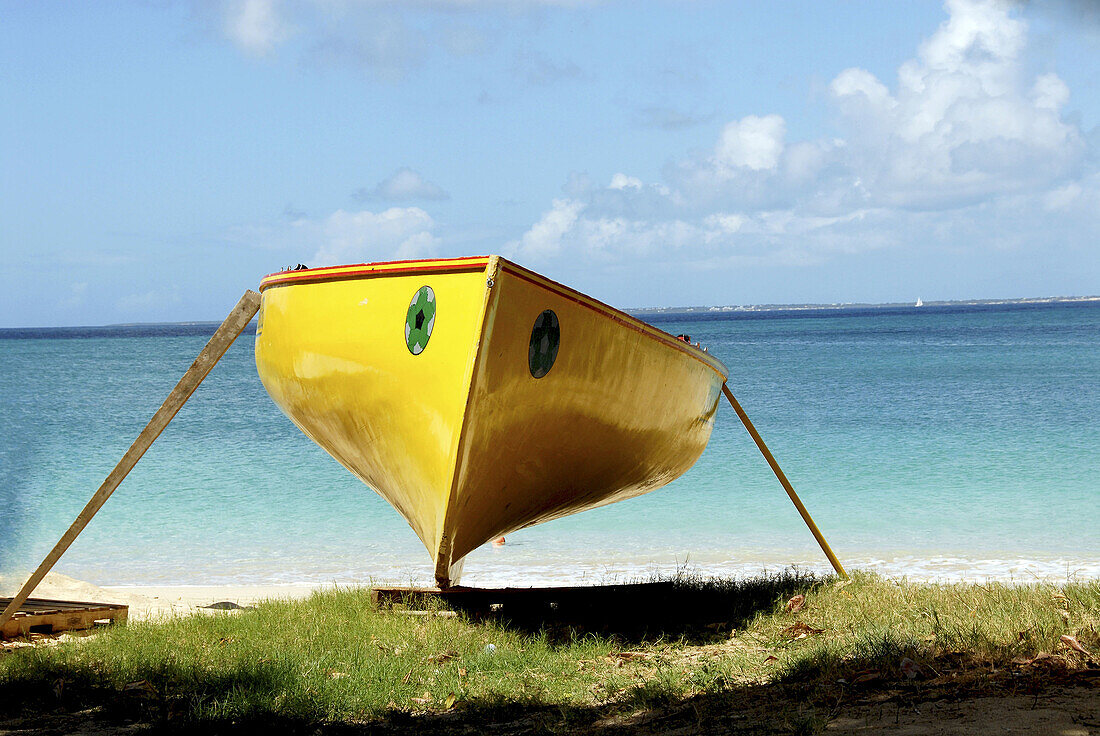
(941, 443)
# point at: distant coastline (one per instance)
(643, 311)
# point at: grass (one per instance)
(335, 658)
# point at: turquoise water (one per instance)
(940, 443)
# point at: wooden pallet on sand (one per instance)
(42, 616)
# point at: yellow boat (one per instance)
(479, 397)
(475, 396)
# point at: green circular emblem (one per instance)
(420, 320)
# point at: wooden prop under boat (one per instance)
(478, 397)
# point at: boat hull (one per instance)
(462, 438)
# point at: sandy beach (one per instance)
(157, 602)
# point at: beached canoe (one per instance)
(478, 397)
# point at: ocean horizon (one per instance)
(15, 332)
(955, 441)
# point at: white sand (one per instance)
(151, 602)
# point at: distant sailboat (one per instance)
(920, 302)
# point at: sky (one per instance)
(157, 158)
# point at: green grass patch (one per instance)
(336, 658)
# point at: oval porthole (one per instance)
(420, 319)
(543, 350)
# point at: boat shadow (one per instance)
(688, 608)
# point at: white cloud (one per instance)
(1063, 198)
(401, 186)
(386, 37)
(345, 237)
(725, 222)
(964, 123)
(595, 231)
(610, 237)
(545, 236)
(752, 142)
(256, 26)
(1050, 92)
(350, 237)
(622, 181)
(965, 135)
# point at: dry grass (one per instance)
(335, 658)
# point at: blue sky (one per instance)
(157, 158)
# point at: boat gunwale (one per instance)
(373, 270)
(481, 263)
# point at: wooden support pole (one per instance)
(223, 337)
(786, 483)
